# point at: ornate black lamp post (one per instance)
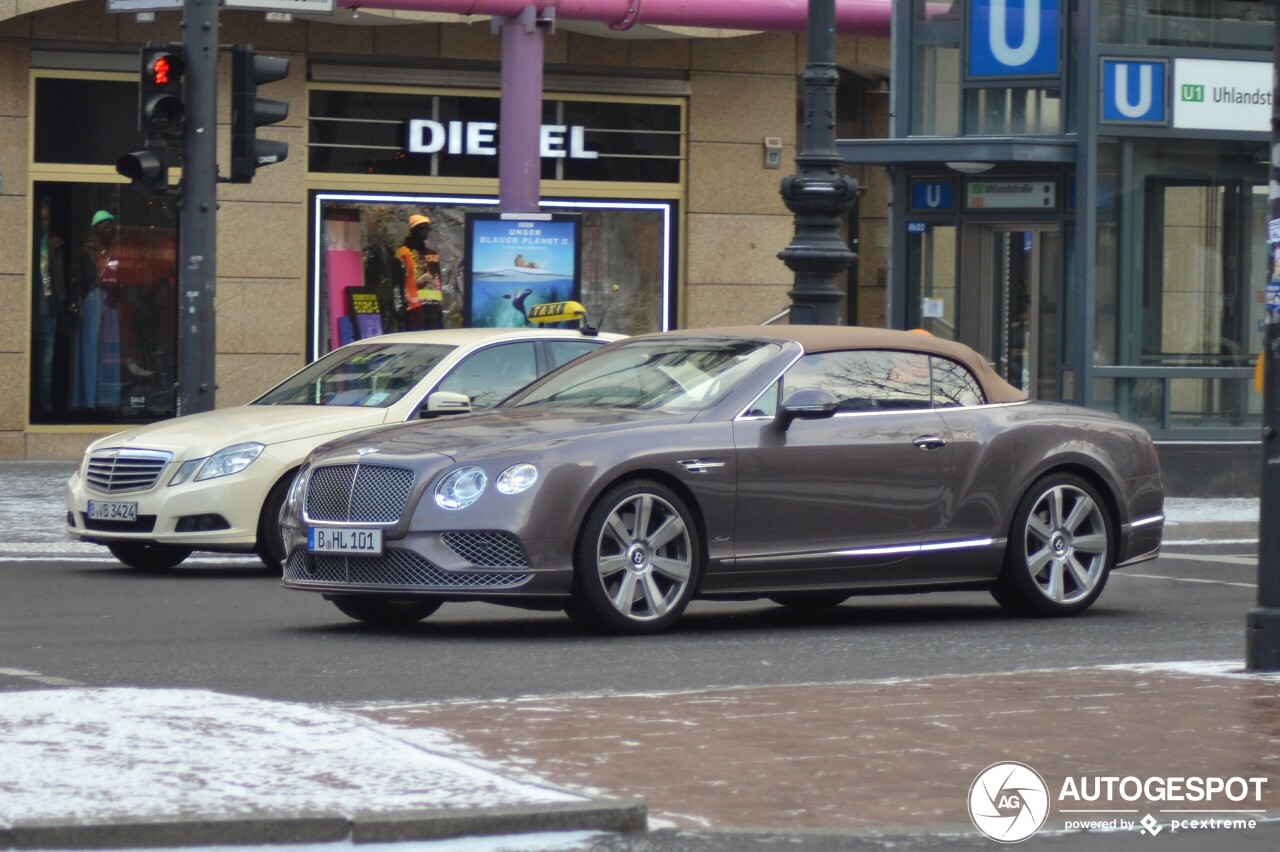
(818, 194)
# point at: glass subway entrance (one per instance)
(998, 288)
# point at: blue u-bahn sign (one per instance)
(1014, 38)
(1134, 91)
(938, 195)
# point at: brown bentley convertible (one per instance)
(799, 464)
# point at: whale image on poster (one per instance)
(516, 264)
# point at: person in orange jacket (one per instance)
(422, 284)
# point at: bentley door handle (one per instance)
(930, 442)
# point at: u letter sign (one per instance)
(1014, 38)
(1133, 91)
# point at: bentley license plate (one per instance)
(122, 512)
(355, 542)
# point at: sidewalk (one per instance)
(128, 768)
(132, 768)
(893, 757)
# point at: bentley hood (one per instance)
(496, 432)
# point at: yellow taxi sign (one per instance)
(557, 312)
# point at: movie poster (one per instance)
(516, 262)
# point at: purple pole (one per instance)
(520, 114)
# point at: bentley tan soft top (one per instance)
(825, 338)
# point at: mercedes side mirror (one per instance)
(442, 403)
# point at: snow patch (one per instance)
(96, 754)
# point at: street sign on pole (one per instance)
(143, 5)
(301, 7)
(298, 7)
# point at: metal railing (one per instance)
(1164, 418)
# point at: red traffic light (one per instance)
(163, 68)
(161, 106)
(160, 71)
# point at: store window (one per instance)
(365, 245)
(103, 271)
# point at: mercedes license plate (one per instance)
(122, 512)
(351, 541)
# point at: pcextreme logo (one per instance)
(1010, 802)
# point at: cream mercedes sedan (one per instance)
(217, 480)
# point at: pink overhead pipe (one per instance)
(853, 17)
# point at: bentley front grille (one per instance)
(358, 493)
(487, 549)
(395, 568)
(115, 471)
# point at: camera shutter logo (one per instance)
(1008, 802)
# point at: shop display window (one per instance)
(103, 262)
(104, 284)
(359, 285)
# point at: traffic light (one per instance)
(249, 112)
(147, 167)
(161, 111)
(160, 105)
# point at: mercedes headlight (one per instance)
(517, 478)
(231, 460)
(461, 488)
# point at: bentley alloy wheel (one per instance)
(638, 559)
(1060, 550)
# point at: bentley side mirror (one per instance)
(806, 404)
(442, 403)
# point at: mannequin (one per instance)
(422, 283)
(54, 314)
(97, 375)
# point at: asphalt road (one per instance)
(228, 626)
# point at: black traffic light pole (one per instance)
(178, 100)
(1262, 633)
(198, 216)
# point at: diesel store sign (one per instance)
(479, 138)
(420, 132)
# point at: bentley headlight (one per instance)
(517, 478)
(461, 488)
(296, 490)
(231, 460)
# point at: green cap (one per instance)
(101, 216)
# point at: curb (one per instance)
(619, 815)
(1209, 531)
